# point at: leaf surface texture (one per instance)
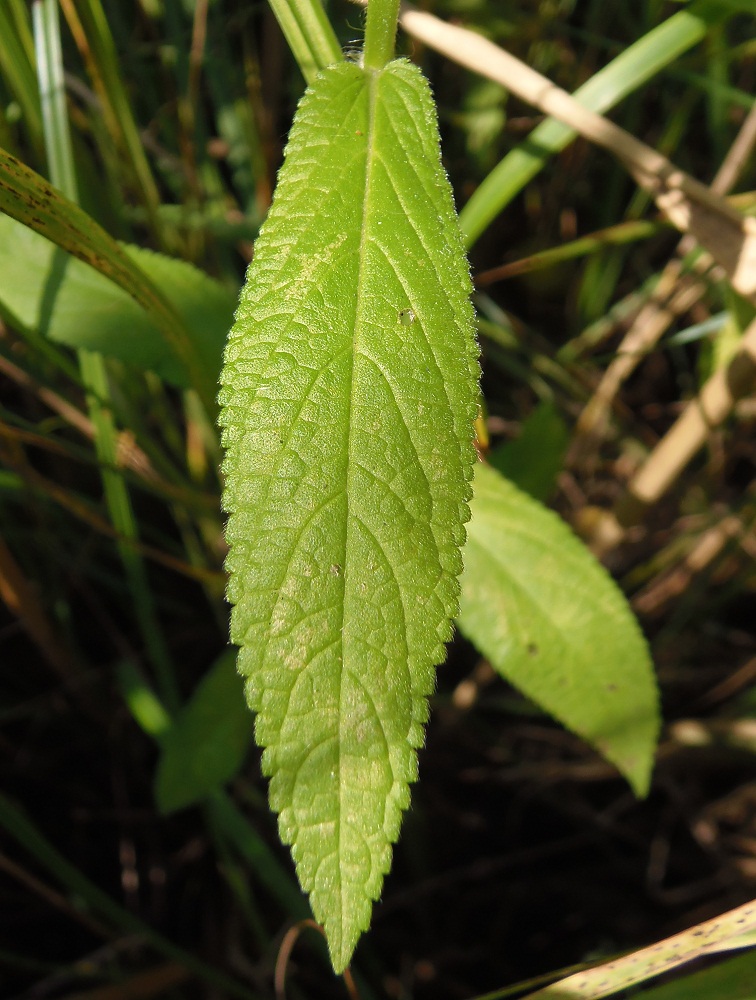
(349, 392)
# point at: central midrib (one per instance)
(371, 83)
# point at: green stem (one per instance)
(380, 32)
(252, 848)
(224, 817)
(53, 97)
(123, 519)
(91, 365)
(89, 25)
(17, 63)
(309, 34)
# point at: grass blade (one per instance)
(309, 35)
(625, 74)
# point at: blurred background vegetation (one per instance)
(129, 866)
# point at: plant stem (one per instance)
(380, 32)
(91, 365)
(308, 31)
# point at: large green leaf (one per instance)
(552, 621)
(349, 396)
(50, 292)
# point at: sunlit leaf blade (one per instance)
(349, 395)
(47, 291)
(552, 621)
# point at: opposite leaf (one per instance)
(349, 396)
(553, 622)
(30, 199)
(48, 291)
(534, 459)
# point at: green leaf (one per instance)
(350, 389)
(30, 199)
(146, 708)
(534, 459)
(207, 743)
(552, 621)
(44, 290)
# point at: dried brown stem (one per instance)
(690, 205)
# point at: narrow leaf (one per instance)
(349, 397)
(633, 67)
(89, 26)
(17, 66)
(309, 34)
(639, 966)
(734, 979)
(552, 621)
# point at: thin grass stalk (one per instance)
(689, 204)
(235, 874)
(228, 824)
(309, 34)
(258, 856)
(92, 365)
(17, 66)
(621, 234)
